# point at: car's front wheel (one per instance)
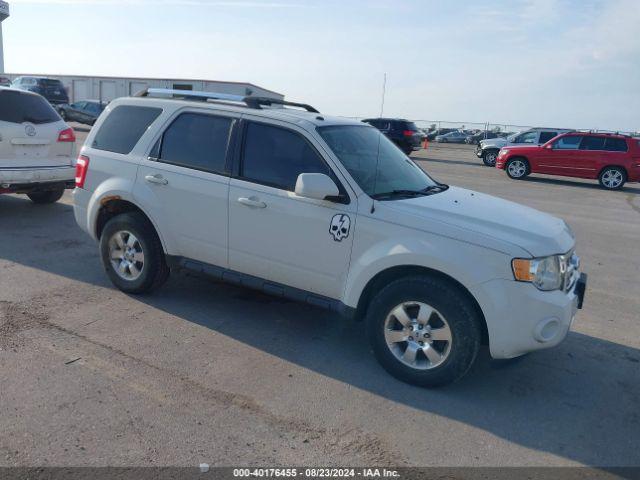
(424, 330)
(50, 196)
(517, 168)
(132, 254)
(612, 178)
(489, 157)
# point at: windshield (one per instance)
(357, 148)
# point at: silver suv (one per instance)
(327, 211)
(488, 149)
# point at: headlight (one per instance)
(544, 273)
(503, 152)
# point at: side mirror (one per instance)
(316, 185)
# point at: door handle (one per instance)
(252, 202)
(157, 179)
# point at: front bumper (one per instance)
(521, 319)
(479, 151)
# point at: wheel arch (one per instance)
(609, 165)
(111, 206)
(391, 274)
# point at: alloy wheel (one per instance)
(126, 255)
(418, 335)
(612, 178)
(517, 168)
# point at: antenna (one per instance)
(375, 178)
(384, 91)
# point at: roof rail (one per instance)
(259, 102)
(251, 102)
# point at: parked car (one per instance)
(452, 137)
(327, 211)
(5, 81)
(475, 138)
(37, 149)
(612, 159)
(86, 111)
(440, 131)
(50, 88)
(488, 149)
(403, 133)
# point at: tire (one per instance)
(517, 168)
(408, 151)
(436, 362)
(142, 257)
(489, 157)
(612, 178)
(42, 198)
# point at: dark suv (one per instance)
(402, 132)
(50, 88)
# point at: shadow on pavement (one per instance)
(579, 401)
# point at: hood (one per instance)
(494, 142)
(486, 221)
(522, 148)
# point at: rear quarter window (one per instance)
(19, 107)
(615, 145)
(124, 126)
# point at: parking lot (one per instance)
(207, 372)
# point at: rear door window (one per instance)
(592, 143)
(615, 145)
(197, 141)
(124, 126)
(19, 107)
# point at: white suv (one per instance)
(327, 211)
(37, 148)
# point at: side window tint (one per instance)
(197, 141)
(529, 137)
(592, 143)
(615, 144)
(546, 136)
(274, 156)
(567, 143)
(124, 126)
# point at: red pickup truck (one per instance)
(611, 158)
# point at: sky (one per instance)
(561, 63)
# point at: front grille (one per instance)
(570, 269)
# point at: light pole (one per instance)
(4, 14)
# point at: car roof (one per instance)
(290, 115)
(21, 92)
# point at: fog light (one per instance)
(546, 330)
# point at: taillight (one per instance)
(82, 166)
(408, 133)
(67, 135)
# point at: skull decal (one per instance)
(340, 225)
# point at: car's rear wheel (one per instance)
(612, 178)
(424, 330)
(50, 196)
(517, 168)
(489, 157)
(132, 254)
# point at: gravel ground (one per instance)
(206, 372)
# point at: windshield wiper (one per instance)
(431, 189)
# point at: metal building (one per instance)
(4, 14)
(81, 87)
